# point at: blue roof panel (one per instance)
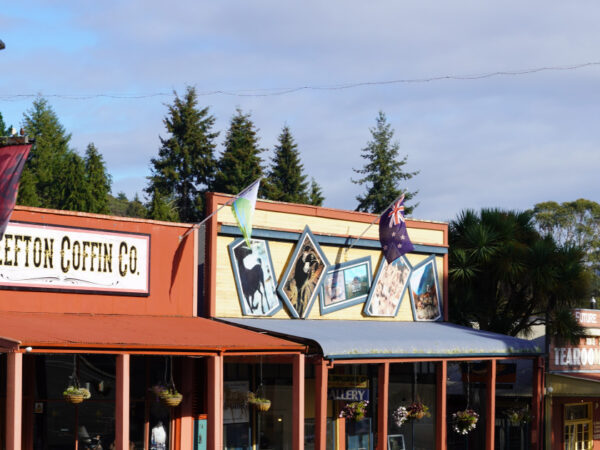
(351, 339)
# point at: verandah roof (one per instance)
(353, 339)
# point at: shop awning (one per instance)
(66, 332)
(353, 339)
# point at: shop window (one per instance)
(578, 426)
(412, 382)
(244, 425)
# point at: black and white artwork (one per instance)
(254, 277)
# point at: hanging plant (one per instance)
(518, 416)
(417, 410)
(355, 410)
(463, 422)
(166, 392)
(400, 415)
(75, 394)
(262, 404)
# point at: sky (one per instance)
(109, 68)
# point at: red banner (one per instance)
(12, 160)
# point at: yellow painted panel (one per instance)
(227, 300)
(321, 225)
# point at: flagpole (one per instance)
(370, 225)
(228, 202)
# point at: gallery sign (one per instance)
(348, 387)
(44, 257)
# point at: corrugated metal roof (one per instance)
(350, 339)
(192, 334)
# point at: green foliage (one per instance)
(315, 196)
(48, 158)
(240, 164)
(383, 173)
(506, 277)
(136, 208)
(3, 128)
(574, 223)
(162, 209)
(286, 178)
(73, 193)
(118, 205)
(98, 181)
(185, 167)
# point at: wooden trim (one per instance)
(141, 350)
(122, 403)
(186, 439)
(14, 399)
(327, 213)
(375, 360)
(446, 279)
(210, 262)
(382, 405)
(195, 293)
(441, 406)
(215, 402)
(536, 406)
(490, 418)
(298, 402)
(321, 375)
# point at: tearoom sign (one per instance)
(34, 256)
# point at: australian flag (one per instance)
(12, 160)
(392, 232)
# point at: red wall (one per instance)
(172, 270)
(558, 412)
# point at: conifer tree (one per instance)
(47, 159)
(315, 196)
(383, 173)
(286, 179)
(74, 192)
(185, 166)
(240, 164)
(98, 181)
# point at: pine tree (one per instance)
(315, 196)
(383, 172)
(98, 181)
(118, 205)
(240, 164)
(185, 166)
(47, 159)
(286, 178)
(74, 192)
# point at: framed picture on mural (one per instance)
(425, 292)
(303, 276)
(346, 284)
(388, 288)
(254, 277)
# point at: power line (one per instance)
(271, 92)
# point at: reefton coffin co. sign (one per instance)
(34, 256)
(583, 357)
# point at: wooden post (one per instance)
(122, 409)
(440, 416)
(536, 400)
(382, 405)
(490, 417)
(14, 399)
(298, 402)
(321, 374)
(187, 420)
(215, 402)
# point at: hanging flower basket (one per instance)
(417, 411)
(260, 403)
(463, 422)
(518, 416)
(355, 410)
(75, 394)
(170, 397)
(400, 415)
